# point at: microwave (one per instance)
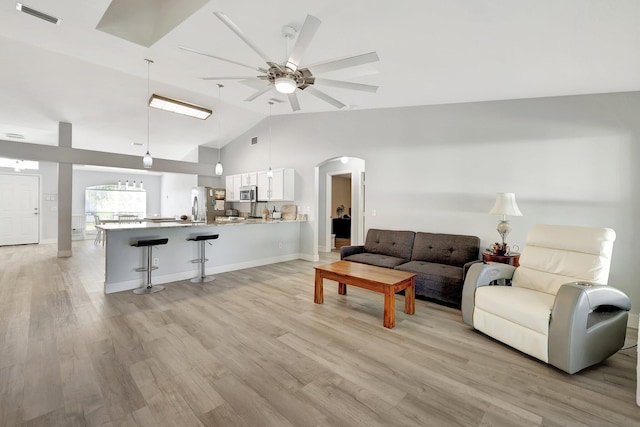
(249, 193)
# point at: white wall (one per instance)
(570, 160)
(176, 194)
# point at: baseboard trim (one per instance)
(159, 279)
(632, 320)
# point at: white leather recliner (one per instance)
(558, 307)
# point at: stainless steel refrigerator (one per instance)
(207, 203)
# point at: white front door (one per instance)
(19, 209)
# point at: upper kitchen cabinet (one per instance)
(250, 178)
(279, 188)
(233, 184)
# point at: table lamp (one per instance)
(505, 205)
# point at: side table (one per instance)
(512, 259)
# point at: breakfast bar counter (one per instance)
(241, 244)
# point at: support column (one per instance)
(65, 182)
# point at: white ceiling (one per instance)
(431, 52)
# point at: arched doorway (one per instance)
(340, 166)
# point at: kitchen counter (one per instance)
(178, 224)
(242, 244)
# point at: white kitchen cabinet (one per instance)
(233, 184)
(250, 178)
(279, 188)
(264, 188)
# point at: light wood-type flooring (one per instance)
(252, 349)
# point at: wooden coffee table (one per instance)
(377, 279)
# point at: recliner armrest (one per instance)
(467, 266)
(346, 251)
(481, 274)
(587, 325)
(600, 295)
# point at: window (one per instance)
(109, 201)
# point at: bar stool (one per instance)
(149, 244)
(202, 260)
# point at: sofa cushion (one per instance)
(375, 259)
(397, 244)
(440, 281)
(449, 249)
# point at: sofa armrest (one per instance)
(346, 251)
(481, 274)
(588, 324)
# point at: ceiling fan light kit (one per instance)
(288, 76)
(285, 85)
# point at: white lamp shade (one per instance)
(219, 169)
(285, 85)
(506, 205)
(147, 161)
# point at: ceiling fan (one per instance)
(288, 76)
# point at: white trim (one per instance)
(632, 322)
(310, 257)
(48, 241)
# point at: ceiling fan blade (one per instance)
(255, 83)
(260, 92)
(338, 64)
(233, 27)
(230, 78)
(262, 70)
(308, 30)
(293, 100)
(346, 85)
(324, 97)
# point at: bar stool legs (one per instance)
(149, 288)
(203, 278)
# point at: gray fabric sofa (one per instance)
(440, 261)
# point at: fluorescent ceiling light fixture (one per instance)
(37, 13)
(18, 164)
(180, 107)
(285, 85)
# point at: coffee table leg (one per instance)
(410, 298)
(318, 295)
(342, 288)
(389, 308)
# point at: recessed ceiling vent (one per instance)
(37, 13)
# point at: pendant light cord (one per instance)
(149, 62)
(270, 135)
(219, 117)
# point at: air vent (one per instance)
(14, 135)
(37, 13)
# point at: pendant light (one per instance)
(219, 169)
(270, 171)
(147, 160)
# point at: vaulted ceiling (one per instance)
(431, 52)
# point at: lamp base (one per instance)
(500, 249)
